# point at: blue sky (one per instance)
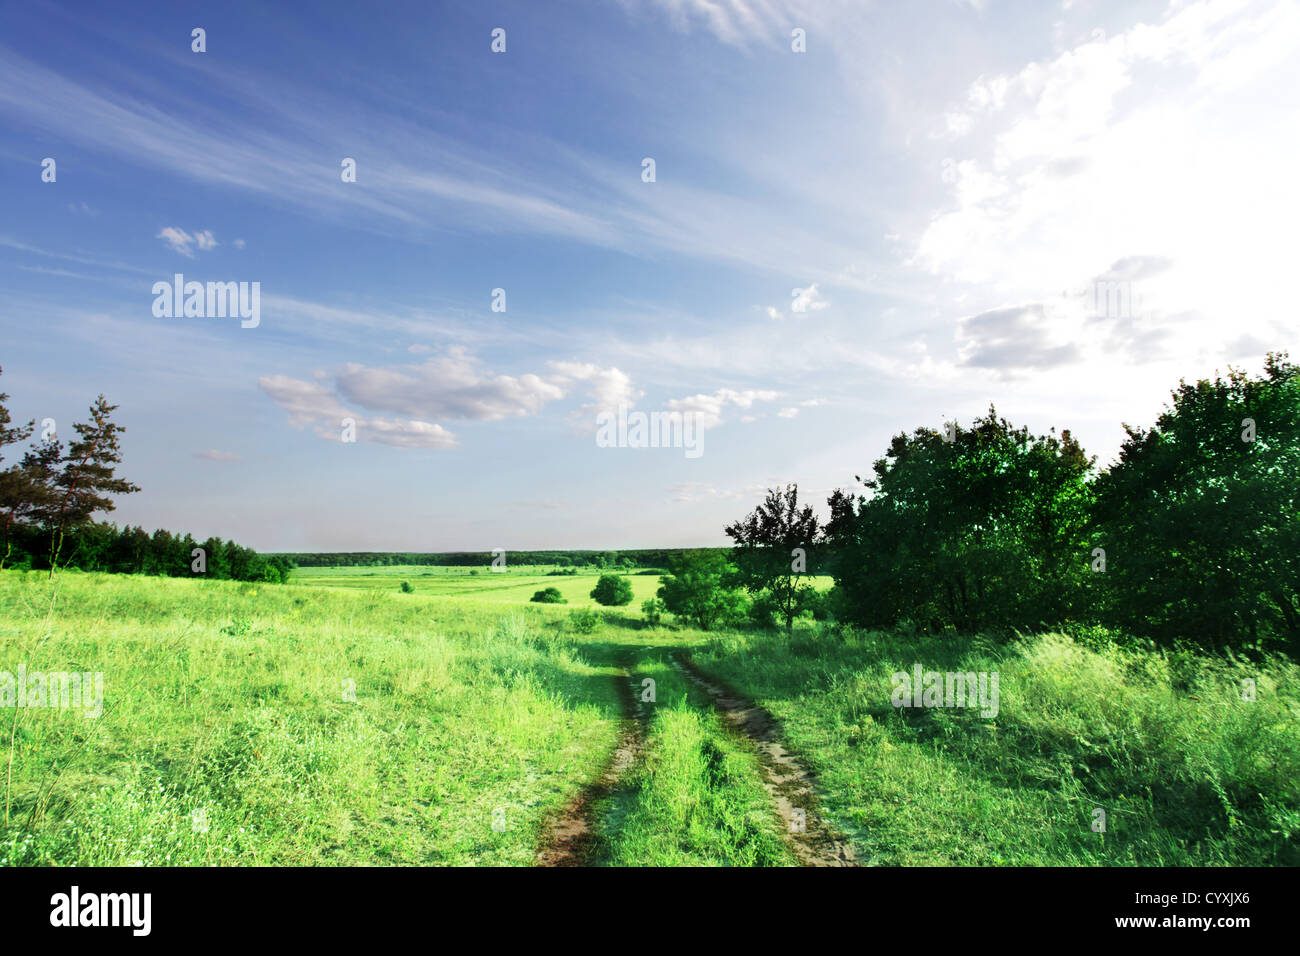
(895, 227)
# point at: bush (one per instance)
(406, 587)
(549, 596)
(653, 609)
(612, 590)
(584, 620)
(762, 612)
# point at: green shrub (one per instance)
(584, 620)
(549, 596)
(612, 590)
(653, 609)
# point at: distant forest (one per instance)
(607, 560)
(101, 546)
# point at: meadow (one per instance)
(336, 720)
(507, 585)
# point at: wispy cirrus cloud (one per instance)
(292, 157)
(213, 454)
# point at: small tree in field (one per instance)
(548, 596)
(699, 589)
(653, 609)
(83, 487)
(612, 590)
(771, 553)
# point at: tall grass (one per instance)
(227, 736)
(252, 724)
(1186, 770)
(696, 800)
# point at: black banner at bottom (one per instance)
(334, 906)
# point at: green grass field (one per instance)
(338, 721)
(507, 586)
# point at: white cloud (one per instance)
(182, 241)
(311, 403)
(213, 455)
(691, 492)
(608, 387)
(452, 385)
(1169, 139)
(787, 413)
(808, 299)
(446, 386)
(708, 408)
(733, 22)
(1015, 338)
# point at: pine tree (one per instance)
(15, 488)
(87, 479)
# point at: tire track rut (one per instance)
(570, 838)
(787, 779)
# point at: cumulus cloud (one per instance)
(452, 385)
(445, 386)
(608, 388)
(802, 301)
(1123, 310)
(312, 403)
(1018, 338)
(1136, 268)
(808, 300)
(708, 408)
(185, 243)
(1104, 145)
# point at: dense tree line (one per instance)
(615, 560)
(1192, 535)
(973, 528)
(48, 501)
(1200, 517)
(100, 546)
